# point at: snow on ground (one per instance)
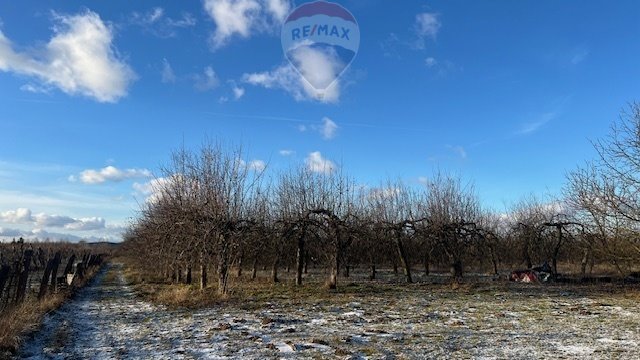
(106, 320)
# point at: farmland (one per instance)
(361, 320)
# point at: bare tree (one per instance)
(454, 212)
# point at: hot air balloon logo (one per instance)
(320, 39)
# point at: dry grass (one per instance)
(24, 318)
(19, 321)
(248, 294)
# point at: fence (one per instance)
(33, 270)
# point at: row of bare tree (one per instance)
(211, 213)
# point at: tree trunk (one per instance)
(556, 251)
(456, 271)
(527, 256)
(427, 260)
(203, 276)
(223, 275)
(335, 268)
(240, 260)
(178, 274)
(189, 277)
(274, 271)
(395, 268)
(372, 274)
(254, 271)
(583, 263)
(404, 260)
(300, 261)
(347, 271)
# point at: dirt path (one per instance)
(107, 321)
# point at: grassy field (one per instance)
(384, 319)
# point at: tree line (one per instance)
(210, 213)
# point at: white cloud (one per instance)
(579, 56)
(84, 224)
(43, 220)
(44, 234)
(168, 76)
(328, 129)
(427, 25)
(153, 189)
(389, 46)
(253, 165)
(257, 165)
(442, 68)
(279, 9)
(36, 89)
(286, 78)
(458, 150)
(21, 215)
(154, 15)
(316, 163)
(207, 80)
(111, 173)
(533, 126)
(244, 18)
(384, 193)
(286, 152)
(79, 59)
(319, 67)
(157, 23)
(238, 92)
(187, 20)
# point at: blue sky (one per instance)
(94, 97)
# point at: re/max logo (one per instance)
(326, 30)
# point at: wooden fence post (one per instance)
(44, 284)
(24, 276)
(5, 271)
(80, 270)
(69, 268)
(54, 271)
